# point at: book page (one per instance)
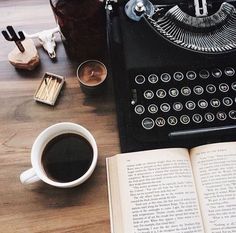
(214, 168)
(157, 193)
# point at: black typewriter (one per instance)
(173, 65)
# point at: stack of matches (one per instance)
(49, 89)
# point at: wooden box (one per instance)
(49, 88)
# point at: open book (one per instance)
(174, 190)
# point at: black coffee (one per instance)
(67, 157)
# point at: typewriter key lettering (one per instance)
(165, 107)
(210, 88)
(139, 109)
(178, 76)
(190, 105)
(209, 117)
(177, 106)
(165, 77)
(191, 75)
(202, 103)
(172, 120)
(204, 74)
(161, 93)
(232, 114)
(147, 123)
(229, 71)
(153, 78)
(152, 108)
(160, 121)
(140, 79)
(221, 116)
(186, 91)
(184, 119)
(227, 101)
(148, 94)
(173, 92)
(233, 86)
(197, 118)
(215, 103)
(198, 90)
(223, 87)
(217, 73)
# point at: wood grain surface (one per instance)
(40, 207)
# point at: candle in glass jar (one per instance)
(92, 75)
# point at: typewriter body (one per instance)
(174, 72)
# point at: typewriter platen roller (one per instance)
(174, 69)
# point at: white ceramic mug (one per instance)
(37, 171)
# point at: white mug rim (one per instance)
(36, 151)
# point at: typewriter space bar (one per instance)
(201, 132)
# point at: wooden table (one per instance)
(40, 207)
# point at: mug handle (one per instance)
(29, 176)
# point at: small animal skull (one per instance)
(47, 40)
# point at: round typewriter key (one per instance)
(178, 76)
(148, 94)
(197, 118)
(221, 116)
(204, 74)
(202, 103)
(215, 103)
(152, 108)
(210, 88)
(198, 90)
(147, 123)
(172, 120)
(165, 107)
(139, 109)
(153, 78)
(177, 106)
(165, 77)
(160, 121)
(186, 91)
(217, 73)
(173, 92)
(209, 117)
(191, 75)
(232, 114)
(227, 101)
(190, 105)
(229, 71)
(184, 119)
(161, 93)
(233, 86)
(139, 79)
(223, 87)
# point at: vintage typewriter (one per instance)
(173, 65)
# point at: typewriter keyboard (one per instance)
(183, 100)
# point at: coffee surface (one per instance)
(67, 157)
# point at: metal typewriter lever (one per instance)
(221, 130)
(135, 9)
(200, 8)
